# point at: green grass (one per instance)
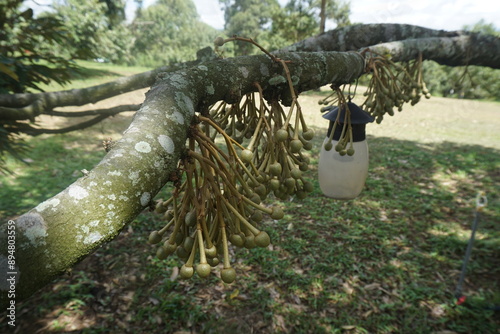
(386, 262)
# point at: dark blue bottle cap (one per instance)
(358, 115)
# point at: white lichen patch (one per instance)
(131, 129)
(111, 206)
(264, 70)
(142, 147)
(115, 173)
(94, 223)
(145, 198)
(178, 80)
(108, 183)
(134, 176)
(123, 198)
(244, 71)
(112, 197)
(184, 102)
(167, 143)
(176, 117)
(117, 153)
(53, 203)
(277, 80)
(92, 237)
(77, 192)
(210, 90)
(33, 227)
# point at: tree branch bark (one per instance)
(355, 37)
(455, 51)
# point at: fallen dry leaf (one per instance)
(175, 273)
(372, 286)
(347, 288)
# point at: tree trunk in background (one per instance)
(322, 16)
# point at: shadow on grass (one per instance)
(386, 262)
(55, 162)
(87, 73)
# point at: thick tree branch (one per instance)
(456, 51)
(355, 37)
(32, 103)
(28, 106)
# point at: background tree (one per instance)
(295, 22)
(470, 82)
(115, 11)
(249, 18)
(338, 11)
(274, 26)
(176, 29)
(27, 57)
(100, 33)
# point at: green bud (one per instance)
(203, 270)
(262, 239)
(219, 41)
(228, 275)
(295, 146)
(186, 272)
(281, 135)
(277, 213)
(154, 238)
(237, 240)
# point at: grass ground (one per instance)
(386, 262)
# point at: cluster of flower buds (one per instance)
(392, 85)
(224, 183)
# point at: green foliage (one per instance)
(472, 82)
(169, 31)
(94, 34)
(27, 44)
(249, 19)
(336, 10)
(295, 22)
(275, 27)
(115, 11)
